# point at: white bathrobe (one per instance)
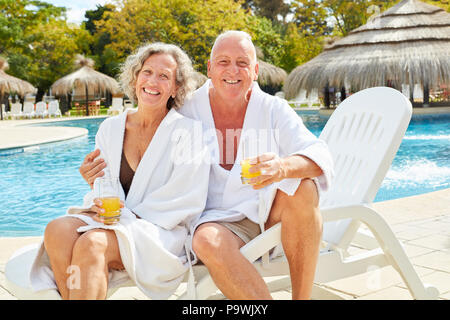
(168, 192)
(279, 130)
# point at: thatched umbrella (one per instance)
(87, 79)
(10, 84)
(269, 76)
(407, 44)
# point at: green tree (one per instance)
(37, 41)
(193, 25)
(106, 60)
(270, 9)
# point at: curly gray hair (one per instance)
(184, 75)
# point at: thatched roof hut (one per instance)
(85, 77)
(10, 84)
(269, 76)
(407, 44)
(85, 82)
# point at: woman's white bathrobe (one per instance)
(168, 192)
(279, 130)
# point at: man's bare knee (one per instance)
(211, 242)
(306, 196)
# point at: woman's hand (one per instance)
(97, 210)
(272, 170)
(92, 168)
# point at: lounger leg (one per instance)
(390, 246)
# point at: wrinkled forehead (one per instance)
(233, 46)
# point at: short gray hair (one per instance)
(232, 33)
(184, 74)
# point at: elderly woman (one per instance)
(163, 187)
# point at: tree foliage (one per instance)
(40, 45)
(37, 42)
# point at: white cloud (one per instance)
(75, 15)
(77, 9)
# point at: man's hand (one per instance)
(92, 168)
(272, 170)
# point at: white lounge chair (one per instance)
(127, 104)
(41, 109)
(28, 110)
(116, 107)
(53, 109)
(6, 114)
(363, 134)
(16, 110)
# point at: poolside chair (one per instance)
(127, 104)
(6, 114)
(16, 110)
(41, 109)
(28, 110)
(116, 107)
(363, 134)
(53, 109)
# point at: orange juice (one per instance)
(245, 174)
(112, 209)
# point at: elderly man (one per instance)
(294, 167)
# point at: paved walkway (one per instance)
(18, 133)
(421, 223)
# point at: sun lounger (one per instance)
(53, 109)
(41, 109)
(28, 110)
(16, 110)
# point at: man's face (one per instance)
(233, 68)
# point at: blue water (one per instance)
(38, 185)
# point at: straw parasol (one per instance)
(269, 75)
(85, 79)
(407, 44)
(10, 84)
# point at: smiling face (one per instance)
(233, 68)
(156, 81)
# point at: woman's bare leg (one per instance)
(94, 253)
(59, 239)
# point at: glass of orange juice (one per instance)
(249, 150)
(108, 193)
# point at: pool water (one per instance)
(422, 163)
(39, 184)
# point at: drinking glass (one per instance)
(249, 150)
(107, 190)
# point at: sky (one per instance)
(76, 8)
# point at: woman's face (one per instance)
(155, 82)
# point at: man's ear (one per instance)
(256, 70)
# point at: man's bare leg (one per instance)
(301, 232)
(218, 248)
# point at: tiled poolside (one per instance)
(421, 223)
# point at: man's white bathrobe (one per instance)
(278, 129)
(168, 192)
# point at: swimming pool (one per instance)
(38, 185)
